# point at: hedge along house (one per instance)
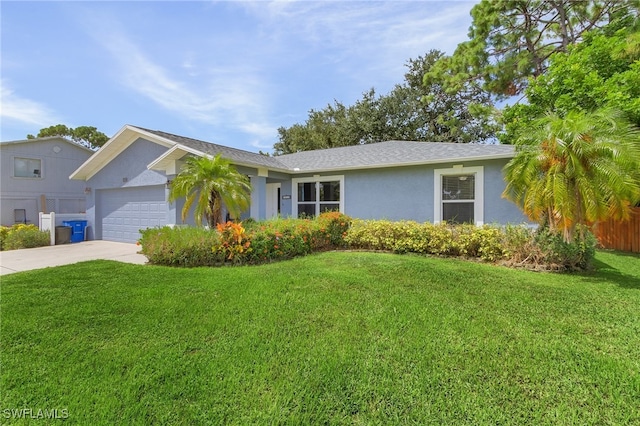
(128, 182)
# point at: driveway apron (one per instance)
(42, 257)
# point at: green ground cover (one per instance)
(333, 338)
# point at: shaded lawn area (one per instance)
(339, 338)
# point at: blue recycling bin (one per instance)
(77, 229)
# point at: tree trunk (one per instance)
(562, 20)
(215, 206)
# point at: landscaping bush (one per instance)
(486, 242)
(334, 226)
(4, 230)
(518, 243)
(406, 237)
(441, 239)
(181, 246)
(22, 236)
(426, 238)
(369, 234)
(512, 245)
(232, 243)
(561, 255)
(279, 239)
(542, 249)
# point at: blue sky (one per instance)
(224, 72)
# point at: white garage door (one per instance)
(123, 212)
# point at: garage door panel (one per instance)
(123, 212)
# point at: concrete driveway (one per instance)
(27, 259)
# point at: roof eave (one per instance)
(47, 138)
(114, 146)
(406, 164)
(160, 164)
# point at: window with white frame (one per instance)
(318, 194)
(27, 167)
(459, 195)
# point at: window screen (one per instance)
(457, 212)
(458, 195)
(458, 187)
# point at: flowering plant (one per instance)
(233, 241)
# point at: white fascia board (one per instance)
(100, 157)
(114, 146)
(153, 137)
(296, 170)
(173, 154)
(179, 151)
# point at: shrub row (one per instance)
(22, 236)
(426, 238)
(248, 243)
(278, 239)
(181, 246)
(510, 245)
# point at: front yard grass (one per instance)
(334, 338)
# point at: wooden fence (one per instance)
(624, 236)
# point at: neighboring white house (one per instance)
(34, 177)
(128, 182)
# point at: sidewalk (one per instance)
(27, 259)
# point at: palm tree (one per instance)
(578, 169)
(210, 183)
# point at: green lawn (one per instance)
(335, 338)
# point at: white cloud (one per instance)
(368, 42)
(228, 97)
(365, 26)
(16, 108)
(237, 77)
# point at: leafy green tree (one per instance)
(512, 40)
(411, 111)
(602, 71)
(84, 135)
(211, 183)
(573, 170)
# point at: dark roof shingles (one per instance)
(233, 154)
(381, 154)
(384, 154)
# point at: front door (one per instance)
(273, 200)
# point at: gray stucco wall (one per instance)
(406, 193)
(127, 170)
(497, 209)
(394, 193)
(131, 165)
(58, 160)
